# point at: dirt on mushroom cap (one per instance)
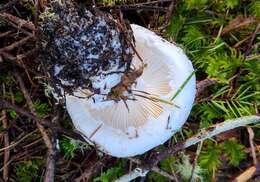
(83, 48)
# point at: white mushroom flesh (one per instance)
(132, 127)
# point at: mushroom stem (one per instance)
(201, 136)
(205, 134)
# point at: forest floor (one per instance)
(221, 38)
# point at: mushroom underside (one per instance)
(132, 127)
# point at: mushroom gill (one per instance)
(154, 82)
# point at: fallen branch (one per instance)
(6, 143)
(49, 141)
(16, 44)
(19, 23)
(203, 135)
(135, 7)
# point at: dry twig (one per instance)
(6, 143)
(204, 134)
(201, 136)
(204, 84)
(169, 12)
(251, 138)
(246, 175)
(50, 161)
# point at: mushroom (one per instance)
(118, 92)
(132, 127)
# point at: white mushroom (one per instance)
(132, 127)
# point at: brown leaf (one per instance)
(239, 22)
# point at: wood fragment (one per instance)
(170, 12)
(18, 21)
(135, 7)
(246, 175)
(239, 22)
(203, 135)
(6, 143)
(8, 5)
(49, 141)
(251, 138)
(204, 84)
(16, 44)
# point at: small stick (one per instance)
(18, 21)
(135, 7)
(8, 5)
(50, 161)
(172, 176)
(195, 160)
(156, 169)
(7, 105)
(251, 138)
(203, 135)
(16, 44)
(204, 84)
(246, 175)
(170, 12)
(6, 143)
(137, 172)
(5, 33)
(95, 131)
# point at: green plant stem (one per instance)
(183, 85)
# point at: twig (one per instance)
(134, 7)
(17, 142)
(195, 160)
(16, 44)
(50, 161)
(246, 175)
(7, 105)
(92, 168)
(239, 22)
(170, 12)
(204, 84)
(8, 5)
(137, 172)
(156, 169)
(18, 23)
(6, 143)
(252, 40)
(5, 33)
(251, 138)
(203, 135)
(234, 81)
(172, 177)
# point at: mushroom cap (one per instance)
(132, 127)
